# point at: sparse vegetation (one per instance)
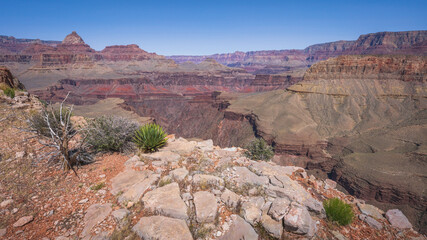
(10, 92)
(98, 186)
(258, 149)
(165, 181)
(40, 125)
(338, 211)
(111, 134)
(150, 137)
(58, 130)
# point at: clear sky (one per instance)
(209, 26)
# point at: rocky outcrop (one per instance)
(73, 38)
(199, 207)
(8, 80)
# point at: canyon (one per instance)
(355, 110)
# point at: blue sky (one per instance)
(207, 27)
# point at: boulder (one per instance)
(206, 206)
(371, 210)
(371, 221)
(397, 219)
(245, 177)
(206, 146)
(135, 192)
(95, 214)
(166, 201)
(179, 174)
(294, 191)
(239, 229)
(251, 212)
(119, 214)
(180, 146)
(162, 228)
(273, 227)
(124, 180)
(131, 162)
(279, 208)
(299, 221)
(208, 181)
(230, 199)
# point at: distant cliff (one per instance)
(412, 42)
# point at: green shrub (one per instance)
(111, 134)
(150, 137)
(258, 149)
(338, 211)
(39, 124)
(10, 92)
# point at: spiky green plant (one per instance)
(150, 137)
(338, 211)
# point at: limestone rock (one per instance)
(124, 180)
(206, 206)
(279, 208)
(299, 221)
(330, 184)
(239, 229)
(135, 192)
(371, 210)
(166, 201)
(165, 156)
(162, 228)
(273, 227)
(204, 181)
(230, 198)
(295, 192)
(268, 169)
(180, 146)
(206, 146)
(131, 162)
(95, 214)
(23, 221)
(371, 221)
(179, 174)
(119, 214)
(245, 176)
(251, 212)
(397, 219)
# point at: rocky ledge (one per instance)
(194, 190)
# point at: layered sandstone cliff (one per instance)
(411, 42)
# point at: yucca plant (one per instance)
(150, 137)
(338, 211)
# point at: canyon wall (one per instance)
(411, 42)
(361, 119)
